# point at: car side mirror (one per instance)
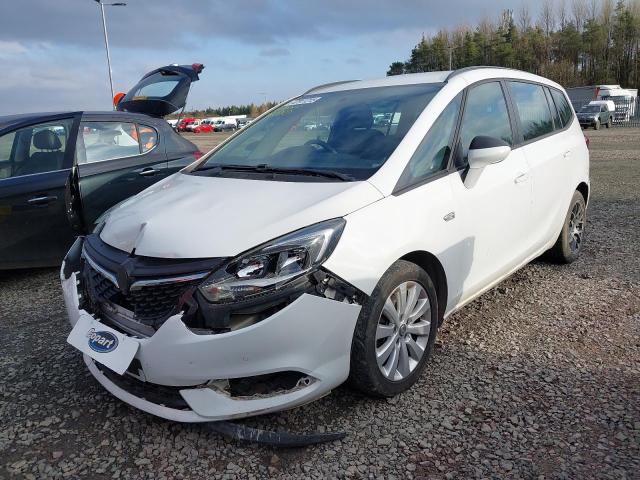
(484, 151)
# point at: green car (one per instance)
(595, 116)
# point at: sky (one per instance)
(53, 57)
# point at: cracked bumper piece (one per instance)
(312, 336)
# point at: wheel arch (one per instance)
(430, 264)
(583, 188)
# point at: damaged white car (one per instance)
(289, 259)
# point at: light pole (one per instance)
(106, 38)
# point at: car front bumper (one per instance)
(312, 335)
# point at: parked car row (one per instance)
(60, 171)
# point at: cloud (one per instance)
(10, 48)
(275, 52)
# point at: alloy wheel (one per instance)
(576, 227)
(403, 330)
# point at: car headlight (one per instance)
(274, 265)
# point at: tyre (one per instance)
(395, 332)
(597, 125)
(609, 123)
(571, 239)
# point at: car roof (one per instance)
(9, 122)
(466, 75)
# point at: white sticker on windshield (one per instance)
(304, 101)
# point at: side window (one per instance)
(564, 109)
(533, 109)
(485, 113)
(34, 149)
(432, 155)
(148, 138)
(108, 141)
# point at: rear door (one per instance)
(162, 91)
(544, 145)
(35, 163)
(115, 160)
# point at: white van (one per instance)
(288, 260)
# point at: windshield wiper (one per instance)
(264, 168)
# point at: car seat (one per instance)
(48, 159)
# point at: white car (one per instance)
(286, 261)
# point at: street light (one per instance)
(106, 38)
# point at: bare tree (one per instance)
(593, 9)
(562, 13)
(524, 17)
(580, 10)
(547, 17)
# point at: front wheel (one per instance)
(395, 332)
(597, 125)
(569, 244)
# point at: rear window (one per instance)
(533, 109)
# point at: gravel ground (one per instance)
(539, 378)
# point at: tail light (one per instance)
(197, 154)
(586, 140)
(197, 67)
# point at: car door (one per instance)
(116, 158)
(35, 162)
(545, 149)
(493, 215)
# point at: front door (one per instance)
(494, 214)
(34, 167)
(115, 160)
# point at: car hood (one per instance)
(189, 216)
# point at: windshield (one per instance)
(590, 109)
(351, 133)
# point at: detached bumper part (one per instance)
(312, 335)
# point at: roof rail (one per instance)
(475, 67)
(324, 85)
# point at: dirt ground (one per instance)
(538, 378)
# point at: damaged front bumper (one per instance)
(183, 375)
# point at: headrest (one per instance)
(353, 117)
(46, 140)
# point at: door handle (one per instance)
(523, 177)
(43, 200)
(148, 172)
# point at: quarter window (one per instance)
(554, 111)
(533, 109)
(432, 155)
(564, 109)
(485, 113)
(148, 138)
(34, 149)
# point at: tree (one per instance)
(396, 68)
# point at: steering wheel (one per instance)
(321, 143)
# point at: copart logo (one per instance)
(102, 342)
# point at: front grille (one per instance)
(150, 305)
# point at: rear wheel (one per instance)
(395, 332)
(569, 244)
(609, 123)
